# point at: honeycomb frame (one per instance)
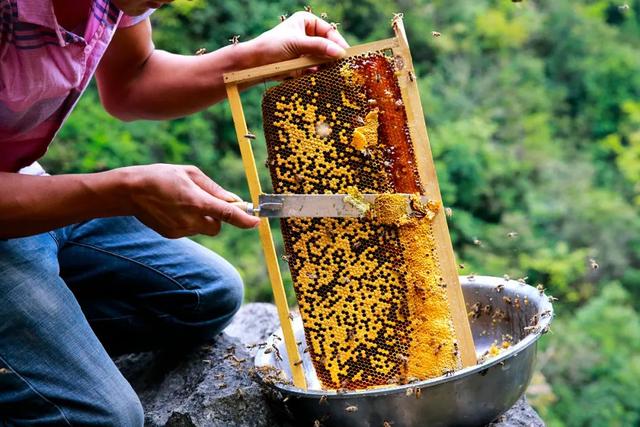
(421, 179)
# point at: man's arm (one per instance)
(174, 200)
(136, 81)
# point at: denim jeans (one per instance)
(73, 297)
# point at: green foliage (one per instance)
(534, 116)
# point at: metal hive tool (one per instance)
(379, 295)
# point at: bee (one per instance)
(222, 385)
(312, 276)
(387, 424)
(418, 393)
(477, 242)
(448, 372)
(471, 277)
(409, 391)
(506, 277)
(461, 266)
(323, 15)
(316, 423)
(507, 300)
(396, 18)
(268, 350)
(372, 102)
(448, 212)
(351, 408)
(523, 280)
(552, 299)
(285, 399)
(249, 135)
(201, 51)
(475, 311)
(290, 316)
(283, 17)
(516, 303)
(399, 103)
(378, 78)
(234, 40)
(204, 361)
(545, 313)
(351, 335)
(486, 310)
(285, 258)
(308, 8)
(306, 350)
(411, 76)
(593, 264)
(500, 287)
(512, 234)
(540, 288)
(435, 34)
(335, 25)
(323, 399)
(240, 393)
(623, 7)
(298, 363)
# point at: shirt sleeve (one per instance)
(130, 21)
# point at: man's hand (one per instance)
(302, 34)
(179, 201)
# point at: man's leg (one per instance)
(141, 291)
(53, 369)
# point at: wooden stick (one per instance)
(282, 68)
(429, 180)
(266, 238)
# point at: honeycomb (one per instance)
(370, 290)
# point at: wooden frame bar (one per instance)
(418, 131)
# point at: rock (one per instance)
(211, 385)
(520, 415)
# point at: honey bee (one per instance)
(201, 51)
(461, 266)
(477, 242)
(283, 17)
(316, 423)
(552, 299)
(285, 258)
(387, 424)
(298, 363)
(323, 399)
(523, 280)
(351, 408)
(335, 25)
(506, 277)
(324, 16)
(475, 311)
(249, 135)
(435, 34)
(540, 288)
(623, 7)
(471, 277)
(593, 264)
(507, 300)
(418, 393)
(235, 39)
(409, 391)
(285, 399)
(500, 287)
(512, 234)
(448, 212)
(308, 8)
(372, 102)
(411, 76)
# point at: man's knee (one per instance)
(119, 407)
(221, 297)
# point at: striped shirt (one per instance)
(44, 68)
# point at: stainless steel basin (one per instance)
(504, 310)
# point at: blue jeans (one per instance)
(73, 297)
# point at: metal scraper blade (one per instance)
(317, 205)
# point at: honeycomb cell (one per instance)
(370, 290)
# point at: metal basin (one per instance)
(504, 310)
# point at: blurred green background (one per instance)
(533, 110)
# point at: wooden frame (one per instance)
(418, 130)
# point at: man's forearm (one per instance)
(35, 204)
